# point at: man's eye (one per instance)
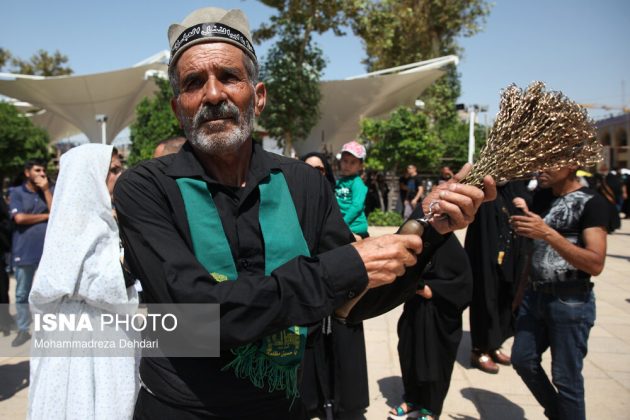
(193, 83)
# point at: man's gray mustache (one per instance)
(215, 112)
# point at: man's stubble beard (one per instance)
(223, 142)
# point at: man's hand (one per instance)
(457, 201)
(386, 257)
(521, 204)
(425, 292)
(531, 225)
(41, 182)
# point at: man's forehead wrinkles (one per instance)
(201, 56)
(216, 66)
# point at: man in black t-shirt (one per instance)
(411, 190)
(568, 227)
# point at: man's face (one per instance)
(35, 172)
(411, 170)
(547, 178)
(446, 172)
(217, 102)
(115, 169)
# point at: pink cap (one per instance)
(355, 149)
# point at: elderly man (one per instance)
(223, 221)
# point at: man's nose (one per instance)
(214, 92)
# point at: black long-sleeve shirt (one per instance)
(158, 251)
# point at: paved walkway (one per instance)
(477, 395)
(473, 394)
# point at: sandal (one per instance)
(400, 413)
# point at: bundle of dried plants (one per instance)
(535, 129)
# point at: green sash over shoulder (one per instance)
(275, 359)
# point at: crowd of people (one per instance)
(283, 247)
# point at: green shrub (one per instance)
(388, 218)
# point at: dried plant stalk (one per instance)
(535, 129)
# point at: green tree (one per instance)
(455, 139)
(5, 58)
(406, 137)
(440, 98)
(292, 87)
(43, 63)
(293, 66)
(397, 32)
(310, 16)
(155, 122)
(20, 140)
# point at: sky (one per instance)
(580, 47)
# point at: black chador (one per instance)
(497, 257)
(334, 377)
(430, 330)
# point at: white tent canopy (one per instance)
(373, 95)
(69, 104)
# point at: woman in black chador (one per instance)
(429, 332)
(497, 257)
(334, 372)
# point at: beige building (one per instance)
(613, 133)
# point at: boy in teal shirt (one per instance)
(350, 189)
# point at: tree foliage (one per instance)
(384, 218)
(293, 66)
(155, 122)
(42, 63)
(20, 140)
(455, 139)
(440, 98)
(310, 16)
(5, 58)
(397, 32)
(292, 108)
(406, 137)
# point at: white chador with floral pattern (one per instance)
(80, 272)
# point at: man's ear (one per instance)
(175, 108)
(261, 98)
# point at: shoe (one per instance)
(404, 411)
(5, 331)
(501, 358)
(483, 362)
(22, 337)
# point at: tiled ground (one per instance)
(474, 394)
